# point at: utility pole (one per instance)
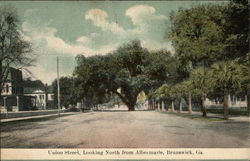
(58, 88)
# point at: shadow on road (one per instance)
(120, 111)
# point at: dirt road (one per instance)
(139, 129)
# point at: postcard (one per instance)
(125, 80)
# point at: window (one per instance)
(7, 88)
(41, 97)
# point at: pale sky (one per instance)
(68, 28)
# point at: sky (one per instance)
(69, 28)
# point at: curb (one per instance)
(36, 117)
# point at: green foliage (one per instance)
(161, 65)
(212, 52)
(199, 78)
(33, 83)
(228, 75)
(66, 91)
(238, 28)
(170, 92)
(198, 35)
(126, 72)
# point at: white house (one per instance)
(42, 97)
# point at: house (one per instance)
(15, 97)
(42, 99)
(12, 91)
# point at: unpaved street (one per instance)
(121, 129)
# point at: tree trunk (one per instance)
(172, 107)
(130, 102)
(248, 102)
(225, 104)
(203, 109)
(162, 106)
(248, 105)
(131, 108)
(1, 79)
(153, 104)
(1, 88)
(180, 107)
(189, 102)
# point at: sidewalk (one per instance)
(37, 117)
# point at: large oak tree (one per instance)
(126, 72)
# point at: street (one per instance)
(122, 129)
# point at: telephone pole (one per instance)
(58, 88)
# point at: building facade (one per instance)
(12, 91)
(41, 99)
(15, 97)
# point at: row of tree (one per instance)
(211, 60)
(212, 51)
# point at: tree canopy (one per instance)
(33, 83)
(66, 91)
(126, 72)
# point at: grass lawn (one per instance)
(195, 116)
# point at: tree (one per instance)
(126, 72)
(66, 91)
(95, 77)
(33, 83)
(14, 50)
(238, 29)
(188, 90)
(161, 94)
(162, 69)
(177, 93)
(199, 80)
(168, 93)
(206, 34)
(199, 37)
(227, 76)
(245, 80)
